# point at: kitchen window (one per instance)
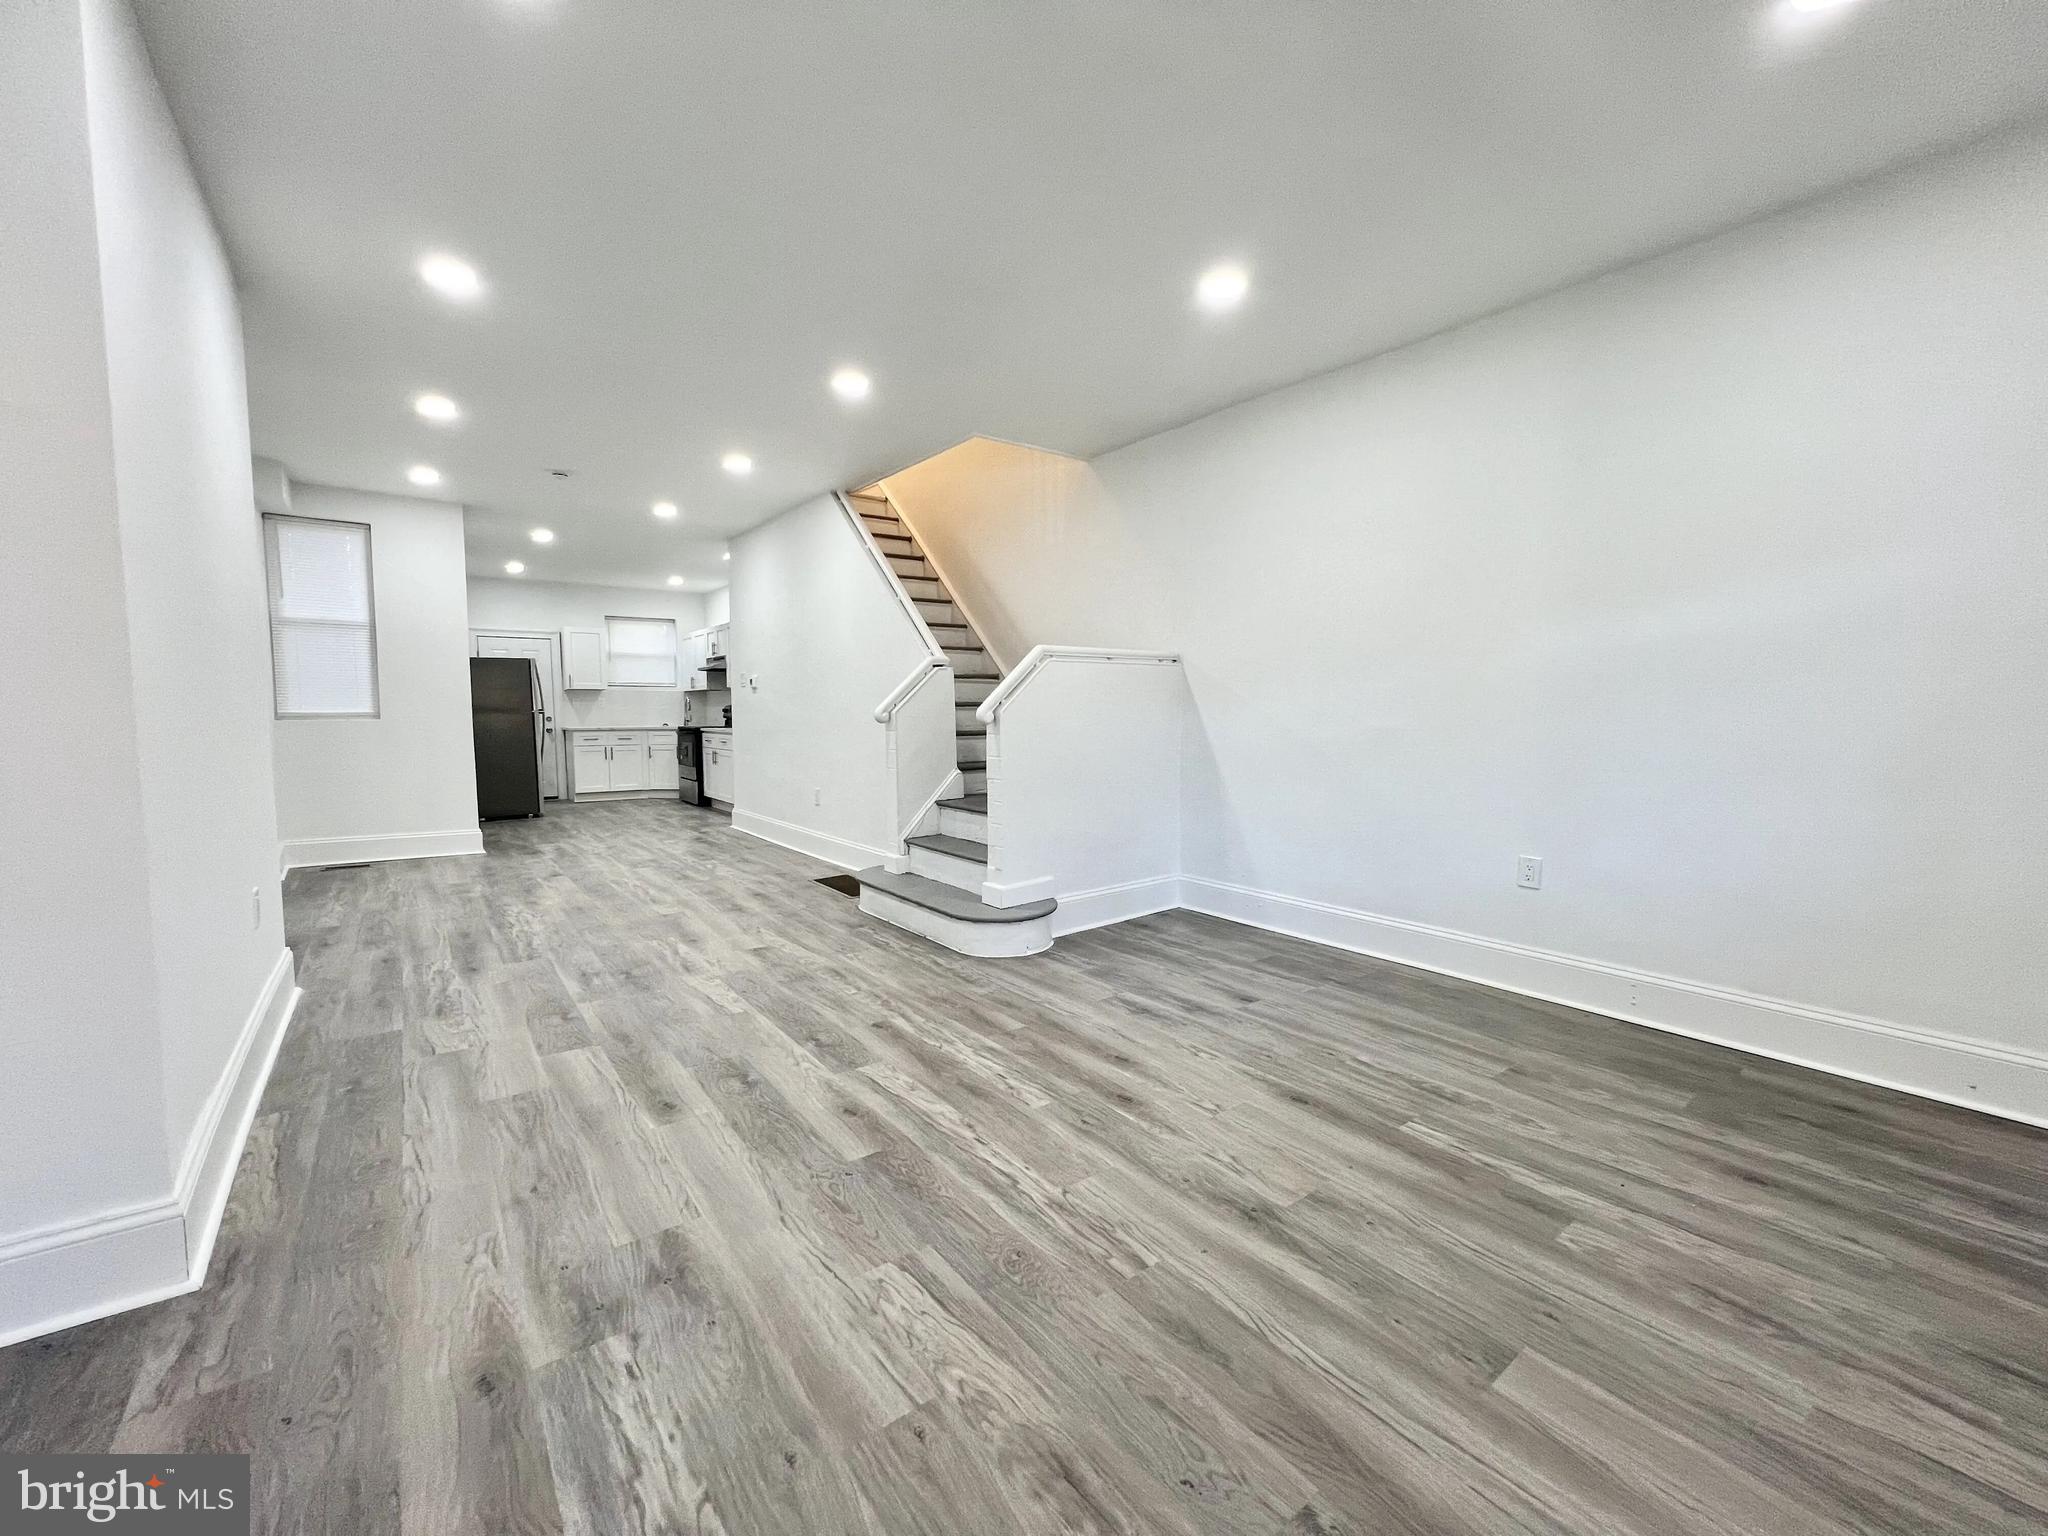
(323, 618)
(643, 653)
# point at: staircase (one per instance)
(940, 896)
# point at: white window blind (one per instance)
(323, 622)
(643, 653)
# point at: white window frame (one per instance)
(675, 650)
(272, 583)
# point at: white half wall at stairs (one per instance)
(1085, 780)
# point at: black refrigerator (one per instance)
(507, 719)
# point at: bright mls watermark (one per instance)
(165, 1495)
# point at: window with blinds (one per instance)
(643, 653)
(323, 621)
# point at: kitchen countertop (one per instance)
(608, 730)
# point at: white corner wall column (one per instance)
(144, 979)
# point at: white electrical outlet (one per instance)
(817, 797)
(1529, 873)
(255, 906)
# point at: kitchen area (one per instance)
(691, 759)
(626, 695)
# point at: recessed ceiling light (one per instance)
(675, 581)
(726, 556)
(736, 464)
(851, 384)
(515, 567)
(1804, 13)
(423, 474)
(436, 407)
(450, 276)
(664, 509)
(543, 535)
(1222, 288)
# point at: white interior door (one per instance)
(544, 651)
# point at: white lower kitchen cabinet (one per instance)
(661, 761)
(621, 762)
(718, 766)
(629, 763)
(590, 767)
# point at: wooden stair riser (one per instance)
(962, 874)
(970, 824)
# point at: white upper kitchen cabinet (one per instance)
(583, 658)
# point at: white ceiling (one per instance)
(688, 214)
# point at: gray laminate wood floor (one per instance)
(627, 1180)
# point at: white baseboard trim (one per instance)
(309, 852)
(1081, 910)
(215, 1149)
(1018, 893)
(62, 1276)
(1974, 1074)
(819, 845)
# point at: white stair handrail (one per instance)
(1039, 655)
(901, 694)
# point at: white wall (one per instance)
(718, 606)
(1031, 550)
(820, 641)
(193, 569)
(559, 605)
(81, 1100)
(1716, 583)
(140, 996)
(402, 785)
